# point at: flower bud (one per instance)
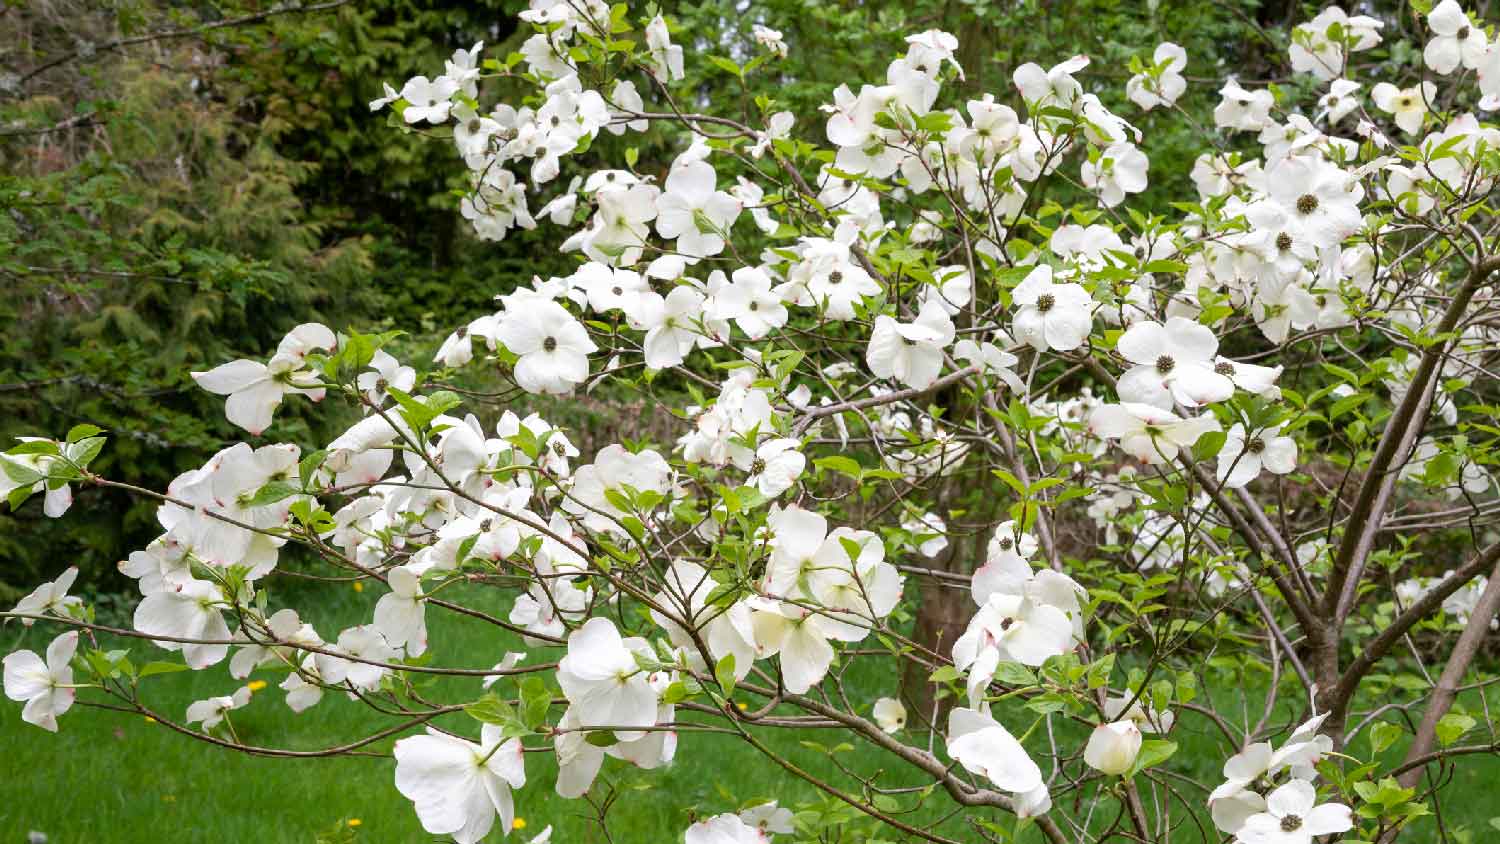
(890, 715)
(1113, 747)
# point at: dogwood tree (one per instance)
(1176, 468)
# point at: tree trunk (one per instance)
(942, 616)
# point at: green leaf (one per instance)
(272, 493)
(1014, 674)
(1209, 445)
(842, 465)
(1154, 752)
(944, 674)
(490, 709)
(309, 465)
(84, 431)
(603, 738)
(536, 698)
(1452, 726)
(83, 452)
(18, 496)
(1383, 734)
(724, 674)
(20, 473)
(675, 694)
(725, 65)
(152, 668)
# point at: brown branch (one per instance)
(1469, 643)
(1365, 517)
(816, 413)
(1337, 701)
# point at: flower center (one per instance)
(1307, 203)
(1462, 33)
(1284, 242)
(754, 306)
(1256, 446)
(618, 291)
(1005, 623)
(1045, 302)
(1006, 543)
(1291, 823)
(1165, 364)
(549, 344)
(835, 277)
(474, 126)
(1224, 368)
(757, 466)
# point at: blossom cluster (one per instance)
(821, 310)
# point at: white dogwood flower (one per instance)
(458, 786)
(1455, 40)
(46, 687)
(1243, 457)
(1174, 361)
(1049, 315)
(1164, 83)
(553, 348)
(256, 389)
(1292, 817)
(1407, 106)
(889, 714)
(602, 682)
(401, 614)
(1148, 433)
(910, 352)
(50, 598)
(211, 711)
(1112, 748)
(985, 748)
(777, 466)
(189, 611)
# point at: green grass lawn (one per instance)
(119, 778)
(111, 777)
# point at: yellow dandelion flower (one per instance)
(149, 719)
(256, 685)
(355, 822)
(741, 706)
(359, 586)
(518, 823)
